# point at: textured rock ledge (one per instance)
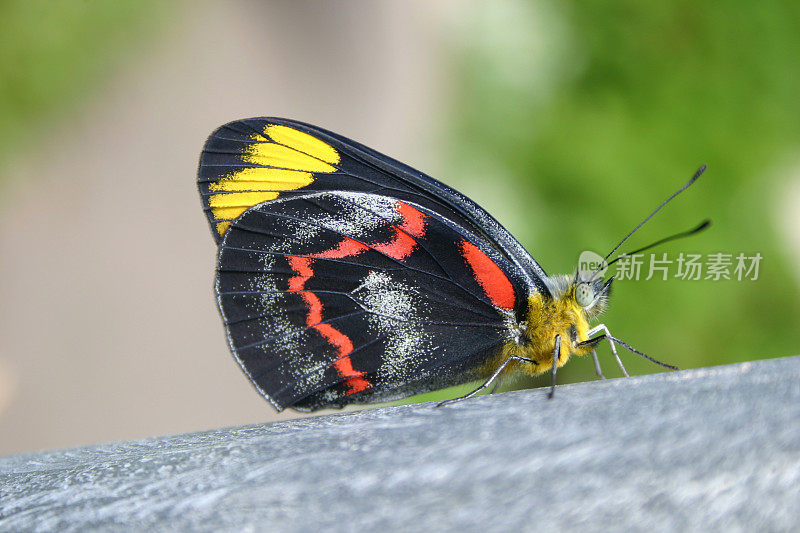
(707, 449)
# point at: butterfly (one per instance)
(345, 276)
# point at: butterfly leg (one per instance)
(602, 327)
(476, 391)
(488, 381)
(591, 343)
(597, 365)
(556, 353)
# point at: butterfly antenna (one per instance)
(657, 209)
(705, 224)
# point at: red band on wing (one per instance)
(346, 248)
(301, 265)
(343, 365)
(490, 277)
(413, 220)
(401, 245)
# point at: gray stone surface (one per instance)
(709, 449)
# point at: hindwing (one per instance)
(330, 298)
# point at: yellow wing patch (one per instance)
(287, 160)
(230, 206)
(303, 142)
(278, 155)
(258, 179)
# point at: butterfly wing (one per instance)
(337, 297)
(254, 160)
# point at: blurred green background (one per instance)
(569, 121)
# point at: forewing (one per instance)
(247, 162)
(332, 298)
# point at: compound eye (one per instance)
(584, 294)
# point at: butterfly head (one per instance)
(565, 312)
(584, 297)
(591, 296)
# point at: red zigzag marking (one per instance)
(343, 365)
(402, 243)
(399, 247)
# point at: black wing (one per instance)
(331, 298)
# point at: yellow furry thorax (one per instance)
(546, 317)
